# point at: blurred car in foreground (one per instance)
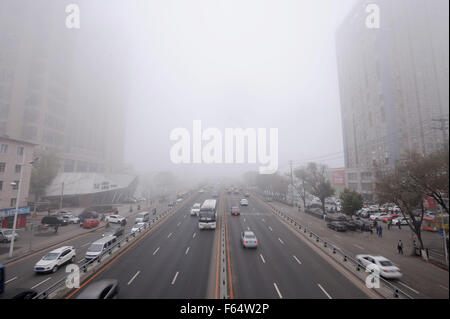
(103, 289)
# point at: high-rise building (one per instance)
(56, 88)
(393, 83)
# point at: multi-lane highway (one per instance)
(177, 260)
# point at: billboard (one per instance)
(338, 178)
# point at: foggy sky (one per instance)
(235, 64)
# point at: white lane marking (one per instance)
(297, 259)
(179, 224)
(357, 246)
(324, 291)
(84, 245)
(187, 250)
(131, 280)
(12, 279)
(169, 235)
(337, 236)
(262, 258)
(263, 220)
(175, 278)
(270, 228)
(248, 228)
(41, 282)
(278, 291)
(193, 236)
(80, 260)
(184, 216)
(244, 220)
(155, 251)
(446, 288)
(408, 287)
(280, 240)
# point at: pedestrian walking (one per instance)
(399, 224)
(380, 233)
(388, 224)
(400, 246)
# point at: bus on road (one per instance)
(208, 214)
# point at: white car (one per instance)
(386, 267)
(195, 210)
(138, 226)
(116, 219)
(7, 234)
(70, 218)
(401, 220)
(248, 239)
(244, 202)
(54, 259)
(378, 216)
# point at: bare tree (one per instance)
(302, 175)
(317, 181)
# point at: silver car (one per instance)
(6, 235)
(248, 239)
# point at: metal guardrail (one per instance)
(118, 244)
(336, 250)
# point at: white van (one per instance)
(142, 217)
(99, 246)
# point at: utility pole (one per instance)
(61, 199)
(292, 184)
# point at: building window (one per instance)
(15, 185)
(367, 187)
(20, 150)
(1, 186)
(353, 186)
(18, 169)
(366, 175)
(2, 167)
(352, 176)
(4, 149)
(13, 202)
(69, 165)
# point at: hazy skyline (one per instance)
(235, 64)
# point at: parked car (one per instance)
(115, 219)
(363, 225)
(387, 268)
(55, 259)
(6, 235)
(103, 289)
(116, 230)
(87, 215)
(248, 239)
(90, 223)
(54, 220)
(337, 226)
(350, 225)
(401, 220)
(69, 217)
(138, 226)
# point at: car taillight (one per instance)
(245, 241)
(385, 270)
(256, 241)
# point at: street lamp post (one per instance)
(22, 168)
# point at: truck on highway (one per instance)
(208, 214)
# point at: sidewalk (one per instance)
(429, 279)
(47, 239)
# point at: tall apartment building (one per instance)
(51, 95)
(393, 84)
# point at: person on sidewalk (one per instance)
(400, 246)
(388, 224)
(380, 233)
(399, 225)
